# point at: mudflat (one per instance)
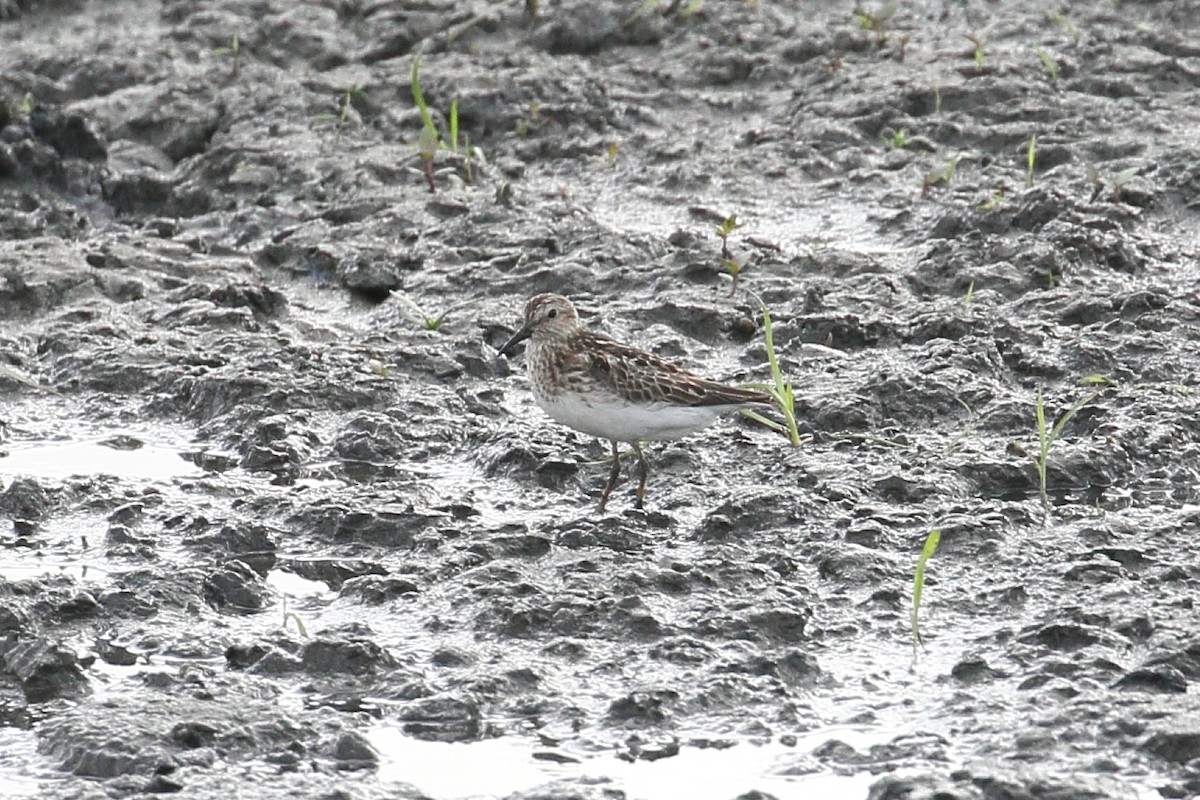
(276, 520)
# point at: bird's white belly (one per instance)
(628, 422)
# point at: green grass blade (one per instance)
(419, 97)
(759, 418)
(1030, 160)
(931, 544)
(454, 125)
(769, 338)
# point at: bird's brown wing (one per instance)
(641, 377)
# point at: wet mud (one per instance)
(276, 520)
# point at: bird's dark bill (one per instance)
(516, 339)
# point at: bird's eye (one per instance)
(552, 313)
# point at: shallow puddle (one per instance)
(22, 768)
(498, 767)
(123, 456)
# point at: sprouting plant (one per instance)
(347, 105)
(994, 202)
(430, 322)
(780, 389)
(454, 126)
(429, 140)
(1047, 436)
(1030, 160)
(530, 121)
(293, 617)
(419, 98)
(735, 268)
(1049, 63)
(970, 293)
(894, 139)
(645, 8)
(977, 41)
(943, 174)
(937, 100)
(727, 226)
(1118, 181)
(931, 544)
(612, 150)
(26, 104)
(1067, 25)
(235, 50)
(876, 21)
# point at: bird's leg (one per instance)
(612, 477)
(641, 492)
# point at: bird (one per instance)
(596, 385)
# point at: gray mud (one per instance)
(267, 535)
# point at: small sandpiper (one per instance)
(596, 385)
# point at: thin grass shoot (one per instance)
(1030, 160)
(1049, 63)
(931, 545)
(419, 98)
(779, 389)
(1047, 435)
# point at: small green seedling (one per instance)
(995, 201)
(894, 139)
(978, 42)
(645, 8)
(235, 50)
(1049, 63)
(414, 312)
(1047, 436)
(429, 141)
(1030, 160)
(347, 105)
(931, 544)
(26, 104)
(293, 617)
(1120, 179)
(967, 297)
(735, 271)
(943, 174)
(419, 98)
(876, 21)
(1067, 25)
(780, 389)
(727, 227)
